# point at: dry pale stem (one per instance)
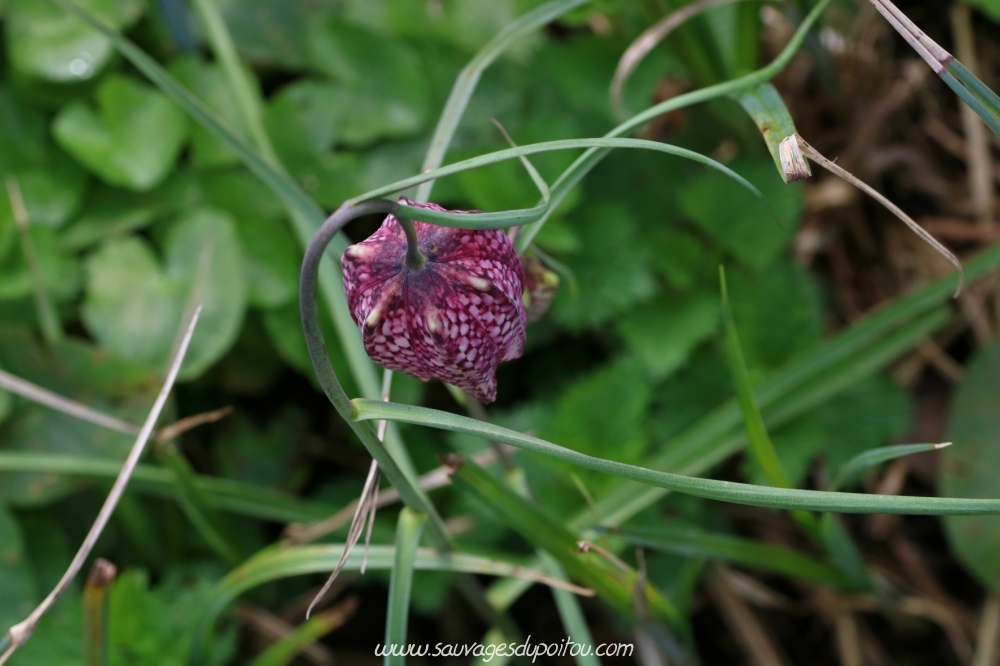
(987, 653)
(21, 632)
(746, 628)
(979, 162)
(815, 156)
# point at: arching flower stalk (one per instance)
(430, 301)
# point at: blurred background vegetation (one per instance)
(135, 211)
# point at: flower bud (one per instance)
(540, 287)
(456, 318)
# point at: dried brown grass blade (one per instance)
(22, 631)
(647, 41)
(819, 159)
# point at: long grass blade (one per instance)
(246, 99)
(285, 650)
(48, 318)
(517, 152)
(209, 523)
(725, 491)
(276, 563)
(582, 166)
(409, 527)
(855, 468)
(222, 494)
(760, 442)
(609, 577)
(469, 77)
(964, 83)
(691, 541)
(644, 44)
(306, 215)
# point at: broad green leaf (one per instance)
(133, 137)
(271, 259)
(273, 32)
(778, 313)
(208, 82)
(51, 184)
(736, 221)
(971, 466)
(134, 307)
(663, 332)
(59, 270)
(611, 267)
(155, 626)
(52, 190)
(382, 91)
(299, 119)
(17, 580)
(261, 456)
(114, 212)
(580, 416)
(44, 41)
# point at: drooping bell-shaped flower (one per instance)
(455, 318)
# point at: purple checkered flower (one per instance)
(455, 318)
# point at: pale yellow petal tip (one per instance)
(943, 445)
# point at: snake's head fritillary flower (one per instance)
(540, 287)
(456, 318)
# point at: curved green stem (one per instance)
(414, 259)
(327, 376)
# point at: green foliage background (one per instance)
(134, 209)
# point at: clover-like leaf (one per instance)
(47, 42)
(133, 137)
(134, 306)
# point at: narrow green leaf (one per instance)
(725, 491)
(582, 166)
(288, 647)
(468, 79)
(409, 527)
(222, 494)
(854, 468)
(760, 443)
(844, 551)
(690, 541)
(278, 562)
(209, 523)
(570, 612)
(764, 104)
(225, 52)
(612, 581)
(982, 92)
(976, 103)
(512, 218)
